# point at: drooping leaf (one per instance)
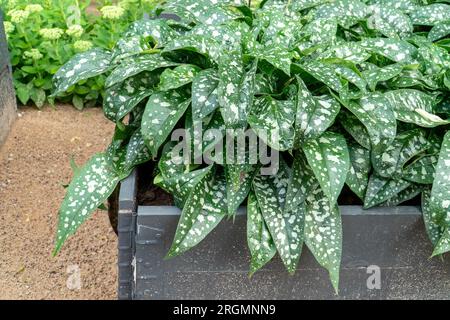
(81, 67)
(90, 187)
(205, 207)
(443, 244)
(382, 189)
(376, 75)
(358, 175)
(323, 73)
(414, 106)
(323, 233)
(390, 22)
(162, 112)
(260, 242)
(347, 12)
(239, 177)
(137, 151)
(409, 193)
(273, 122)
(440, 193)
(314, 114)
(286, 228)
(405, 146)
(355, 128)
(434, 230)
(349, 51)
(329, 159)
(178, 77)
(204, 94)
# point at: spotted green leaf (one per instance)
(324, 73)
(431, 14)
(136, 151)
(203, 45)
(135, 65)
(323, 234)
(421, 170)
(177, 77)
(239, 177)
(434, 230)
(377, 75)
(358, 175)
(319, 31)
(414, 106)
(204, 94)
(382, 189)
(121, 98)
(355, 128)
(350, 51)
(443, 245)
(235, 89)
(205, 207)
(273, 122)
(389, 21)
(329, 159)
(439, 30)
(162, 112)
(279, 57)
(314, 114)
(260, 242)
(81, 67)
(440, 193)
(90, 187)
(393, 49)
(375, 112)
(347, 12)
(409, 193)
(286, 228)
(405, 146)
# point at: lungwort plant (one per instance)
(346, 92)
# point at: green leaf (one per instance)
(376, 75)
(137, 151)
(375, 112)
(204, 209)
(421, 170)
(323, 234)
(260, 242)
(239, 179)
(430, 15)
(439, 30)
(389, 21)
(277, 56)
(89, 188)
(178, 77)
(324, 73)
(434, 230)
(382, 189)
(413, 106)
(121, 98)
(162, 112)
(204, 94)
(319, 31)
(272, 121)
(393, 49)
(38, 97)
(405, 146)
(349, 51)
(443, 244)
(358, 175)
(201, 44)
(23, 93)
(347, 12)
(314, 114)
(329, 159)
(286, 228)
(235, 89)
(440, 193)
(81, 67)
(135, 65)
(355, 128)
(409, 193)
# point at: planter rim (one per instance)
(345, 210)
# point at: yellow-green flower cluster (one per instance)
(18, 16)
(112, 12)
(82, 45)
(51, 33)
(34, 8)
(75, 31)
(34, 54)
(9, 27)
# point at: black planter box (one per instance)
(389, 242)
(7, 96)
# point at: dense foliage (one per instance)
(350, 92)
(45, 34)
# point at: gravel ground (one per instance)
(34, 166)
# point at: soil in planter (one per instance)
(151, 195)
